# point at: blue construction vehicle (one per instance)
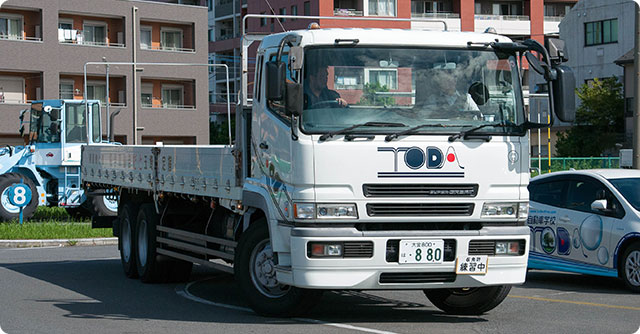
(49, 162)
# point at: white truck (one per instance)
(348, 172)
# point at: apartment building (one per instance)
(517, 19)
(44, 46)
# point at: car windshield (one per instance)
(630, 189)
(451, 88)
(44, 126)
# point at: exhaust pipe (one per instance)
(111, 133)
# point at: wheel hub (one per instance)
(632, 268)
(263, 271)
(4, 200)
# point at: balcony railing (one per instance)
(347, 12)
(20, 38)
(72, 36)
(165, 48)
(502, 17)
(168, 106)
(553, 18)
(437, 15)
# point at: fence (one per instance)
(558, 164)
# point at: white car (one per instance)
(587, 222)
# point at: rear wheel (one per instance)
(9, 211)
(255, 273)
(151, 267)
(126, 240)
(631, 267)
(468, 301)
(103, 205)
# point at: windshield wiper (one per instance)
(346, 130)
(465, 133)
(413, 130)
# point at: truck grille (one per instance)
(419, 209)
(393, 250)
(358, 249)
(417, 277)
(420, 190)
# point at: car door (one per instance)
(587, 231)
(547, 200)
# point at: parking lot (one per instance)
(82, 289)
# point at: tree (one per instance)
(370, 98)
(219, 132)
(599, 121)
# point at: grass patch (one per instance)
(51, 230)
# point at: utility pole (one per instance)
(636, 89)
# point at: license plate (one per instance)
(472, 265)
(421, 251)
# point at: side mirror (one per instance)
(479, 93)
(294, 98)
(296, 55)
(535, 63)
(564, 86)
(276, 74)
(599, 205)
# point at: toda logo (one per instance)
(419, 161)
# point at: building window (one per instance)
(146, 95)
(422, 7)
(294, 11)
(12, 90)
(171, 39)
(10, 26)
(145, 37)
(283, 11)
(348, 78)
(97, 91)
(172, 96)
(95, 33)
(382, 7)
(307, 8)
(66, 90)
(601, 32)
(66, 33)
(384, 77)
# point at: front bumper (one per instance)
(374, 272)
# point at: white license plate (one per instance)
(472, 265)
(421, 251)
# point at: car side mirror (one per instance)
(276, 73)
(294, 98)
(599, 205)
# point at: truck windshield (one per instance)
(456, 88)
(44, 127)
(75, 123)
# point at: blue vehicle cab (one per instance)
(587, 222)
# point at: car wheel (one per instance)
(631, 267)
(468, 301)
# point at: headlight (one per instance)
(505, 210)
(325, 211)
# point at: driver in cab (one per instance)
(316, 92)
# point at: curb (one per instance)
(57, 242)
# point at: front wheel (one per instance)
(255, 273)
(468, 301)
(103, 205)
(127, 240)
(9, 211)
(631, 267)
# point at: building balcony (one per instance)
(493, 17)
(161, 36)
(436, 15)
(347, 12)
(166, 48)
(168, 94)
(23, 25)
(553, 18)
(20, 87)
(91, 31)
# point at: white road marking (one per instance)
(562, 293)
(184, 292)
(1, 331)
(637, 332)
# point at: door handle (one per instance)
(264, 146)
(565, 219)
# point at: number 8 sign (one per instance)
(19, 195)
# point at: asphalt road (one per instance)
(83, 290)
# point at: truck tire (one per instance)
(254, 268)
(151, 268)
(471, 301)
(7, 210)
(100, 205)
(127, 240)
(630, 268)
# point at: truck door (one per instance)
(271, 144)
(75, 132)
